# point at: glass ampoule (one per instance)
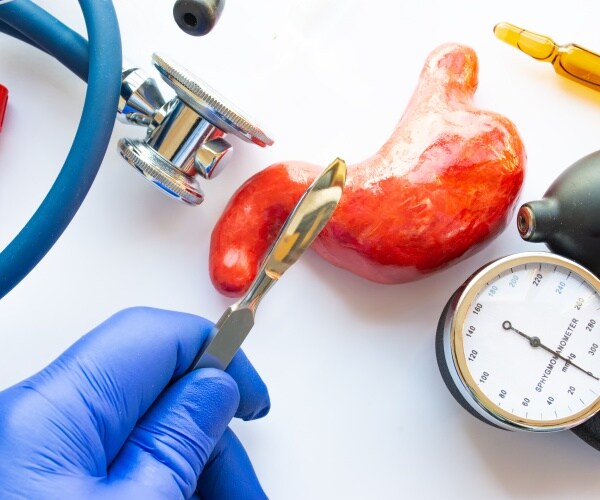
(570, 60)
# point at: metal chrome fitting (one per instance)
(185, 136)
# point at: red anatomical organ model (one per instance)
(444, 183)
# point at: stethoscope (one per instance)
(185, 133)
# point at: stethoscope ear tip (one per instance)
(197, 17)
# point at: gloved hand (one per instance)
(110, 418)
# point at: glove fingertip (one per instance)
(248, 414)
(254, 395)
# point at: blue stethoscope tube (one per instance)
(99, 63)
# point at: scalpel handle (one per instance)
(226, 338)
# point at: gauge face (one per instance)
(526, 341)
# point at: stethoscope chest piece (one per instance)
(185, 136)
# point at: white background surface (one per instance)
(359, 409)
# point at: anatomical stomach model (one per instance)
(444, 183)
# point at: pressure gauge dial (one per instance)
(518, 344)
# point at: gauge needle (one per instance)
(536, 342)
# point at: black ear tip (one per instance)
(197, 17)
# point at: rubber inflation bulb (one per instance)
(567, 218)
(197, 17)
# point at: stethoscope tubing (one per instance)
(97, 61)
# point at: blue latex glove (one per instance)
(111, 417)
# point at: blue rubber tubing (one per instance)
(99, 62)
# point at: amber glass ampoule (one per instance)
(571, 61)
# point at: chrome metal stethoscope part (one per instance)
(185, 135)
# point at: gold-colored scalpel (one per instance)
(309, 217)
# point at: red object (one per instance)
(444, 184)
(3, 103)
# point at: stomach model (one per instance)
(444, 183)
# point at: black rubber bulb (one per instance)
(197, 17)
(567, 219)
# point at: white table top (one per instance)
(359, 409)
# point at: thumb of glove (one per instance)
(172, 442)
